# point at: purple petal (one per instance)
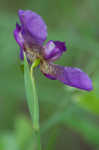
(49, 76)
(74, 77)
(18, 36)
(60, 45)
(21, 54)
(70, 76)
(53, 50)
(33, 25)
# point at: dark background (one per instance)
(69, 118)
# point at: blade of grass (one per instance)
(32, 101)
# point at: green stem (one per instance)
(35, 116)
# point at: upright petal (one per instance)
(70, 76)
(33, 26)
(18, 35)
(53, 50)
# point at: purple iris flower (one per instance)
(30, 36)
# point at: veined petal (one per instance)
(18, 35)
(53, 50)
(33, 26)
(70, 76)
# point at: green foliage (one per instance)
(90, 101)
(23, 132)
(32, 100)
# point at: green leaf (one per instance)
(31, 93)
(8, 141)
(87, 128)
(23, 127)
(89, 101)
(32, 100)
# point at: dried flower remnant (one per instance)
(31, 35)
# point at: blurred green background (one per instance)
(69, 118)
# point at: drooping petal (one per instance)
(34, 28)
(70, 76)
(53, 50)
(18, 35)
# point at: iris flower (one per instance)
(31, 35)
